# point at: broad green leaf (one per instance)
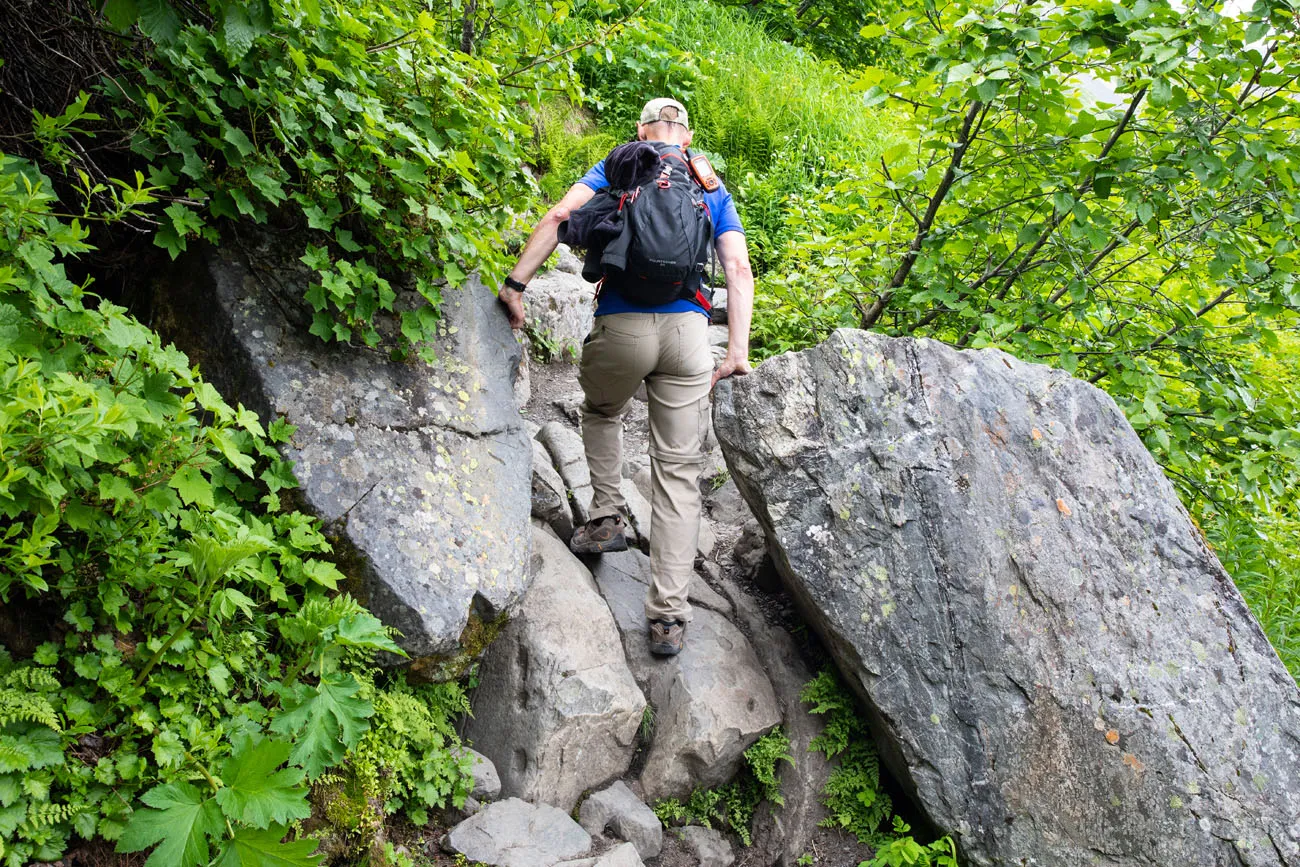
(326, 721)
(311, 10)
(961, 71)
(263, 848)
(239, 139)
(237, 31)
(159, 20)
(363, 629)
(190, 483)
(180, 821)
(257, 794)
(281, 431)
(121, 13)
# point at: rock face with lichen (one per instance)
(421, 471)
(1054, 662)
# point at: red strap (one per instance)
(702, 301)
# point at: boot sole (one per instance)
(610, 547)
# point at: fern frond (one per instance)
(19, 706)
(34, 678)
(15, 755)
(41, 815)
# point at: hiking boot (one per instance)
(599, 536)
(667, 637)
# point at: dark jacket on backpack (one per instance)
(632, 247)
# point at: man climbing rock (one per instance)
(651, 324)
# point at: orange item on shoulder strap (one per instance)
(702, 169)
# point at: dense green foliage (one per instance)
(848, 31)
(853, 795)
(200, 669)
(398, 154)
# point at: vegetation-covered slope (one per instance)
(172, 630)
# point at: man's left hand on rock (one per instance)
(513, 300)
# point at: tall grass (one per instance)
(755, 98)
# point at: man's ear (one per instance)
(640, 132)
(690, 134)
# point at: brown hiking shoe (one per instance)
(667, 637)
(599, 536)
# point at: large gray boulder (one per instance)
(711, 701)
(514, 833)
(1055, 664)
(557, 709)
(420, 472)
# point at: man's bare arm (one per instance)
(733, 253)
(541, 244)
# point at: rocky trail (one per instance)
(1054, 665)
(570, 698)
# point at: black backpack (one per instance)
(654, 240)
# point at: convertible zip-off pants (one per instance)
(670, 352)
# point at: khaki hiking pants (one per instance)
(670, 352)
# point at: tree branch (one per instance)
(927, 222)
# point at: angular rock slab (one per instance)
(709, 846)
(626, 815)
(560, 307)
(569, 458)
(514, 833)
(783, 833)
(1053, 660)
(556, 708)
(623, 855)
(550, 502)
(422, 470)
(487, 782)
(712, 701)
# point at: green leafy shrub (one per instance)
(853, 795)
(362, 124)
(193, 668)
(411, 757)
(904, 851)
(847, 31)
(568, 145)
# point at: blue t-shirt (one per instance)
(725, 219)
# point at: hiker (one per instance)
(664, 344)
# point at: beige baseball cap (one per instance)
(664, 109)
